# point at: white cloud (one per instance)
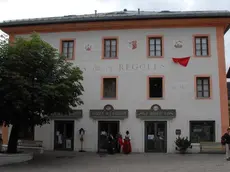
(15, 9)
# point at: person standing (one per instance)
(119, 142)
(127, 144)
(111, 147)
(225, 140)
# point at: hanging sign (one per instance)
(178, 132)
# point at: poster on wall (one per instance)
(68, 144)
(133, 44)
(178, 131)
(150, 137)
(88, 47)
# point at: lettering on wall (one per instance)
(109, 69)
(96, 68)
(180, 86)
(122, 68)
(139, 67)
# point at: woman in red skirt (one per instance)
(127, 145)
(120, 142)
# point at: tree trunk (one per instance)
(13, 141)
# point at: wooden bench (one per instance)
(211, 147)
(29, 145)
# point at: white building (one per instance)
(127, 62)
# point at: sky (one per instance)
(21, 9)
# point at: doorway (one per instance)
(105, 128)
(155, 136)
(63, 135)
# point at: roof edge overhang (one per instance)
(112, 23)
(30, 22)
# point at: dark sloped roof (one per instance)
(228, 83)
(228, 86)
(119, 15)
(228, 73)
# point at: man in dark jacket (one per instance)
(225, 140)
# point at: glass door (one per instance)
(64, 135)
(105, 128)
(155, 136)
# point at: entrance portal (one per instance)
(64, 135)
(105, 128)
(155, 136)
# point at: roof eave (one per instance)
(83, 20)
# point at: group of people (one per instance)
(117, 144)
(125, 144)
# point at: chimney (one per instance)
(138, 10)
(95, 12)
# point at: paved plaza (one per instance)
(92, 162)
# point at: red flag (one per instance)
(182, 61)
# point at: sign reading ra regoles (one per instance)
(122, 67)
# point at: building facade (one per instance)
(132, 82)
(228, 87)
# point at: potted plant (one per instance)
(182, 144)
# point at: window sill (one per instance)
(103, 98)
(109, 58)
(155, 57)
(200, 98)
(160, 98)
(201, 56)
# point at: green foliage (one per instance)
(182, 144)
(36, 82)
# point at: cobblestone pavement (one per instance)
(92, 162)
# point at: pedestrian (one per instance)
(110, 148)
(225, 140)
(120, 142)
(127, 143)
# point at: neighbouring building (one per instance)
(228, 87)
(156, 74)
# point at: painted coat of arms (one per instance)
(88, 47)
(133, 44)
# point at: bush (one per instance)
(182, 144)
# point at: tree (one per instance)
(35, 83)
